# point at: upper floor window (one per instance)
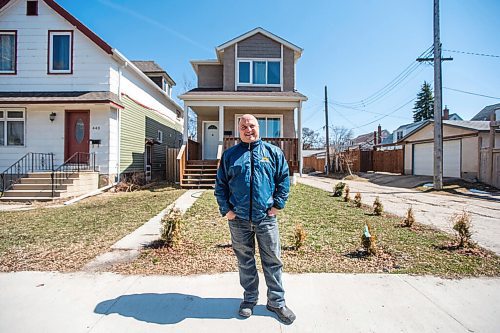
(11, 127)
(8, 47)
(159, 136)
(270, 126)
(399, 135)
(259, 72)
(60, 52)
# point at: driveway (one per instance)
(431, 209)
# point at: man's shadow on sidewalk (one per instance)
(174, 308)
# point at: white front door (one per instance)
(210, 139)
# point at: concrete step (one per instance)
(44, 181)
(38, 187)
(31, 193)
(47, 175)
(24, 199)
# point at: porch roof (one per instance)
(54, 97)
(217, 94)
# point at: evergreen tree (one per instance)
(424, 106)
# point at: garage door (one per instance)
(423, 159)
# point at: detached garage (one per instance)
(461, 142)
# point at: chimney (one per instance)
(379, 134)
(446, 113)
(374, 137)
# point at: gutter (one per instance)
(242, 98)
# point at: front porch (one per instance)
(218, 113)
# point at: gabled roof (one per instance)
(478, 126)
(75, 22)
(98, 41)
(297, 50)
(149, 67)
(196, 63)
(486, 112)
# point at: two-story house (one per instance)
(253, 73)
(68, 97)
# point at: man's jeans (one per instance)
(243, 234)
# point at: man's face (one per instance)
(249, 129)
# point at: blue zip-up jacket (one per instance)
(251, 179)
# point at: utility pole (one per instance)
(328, 165)
(438, 102)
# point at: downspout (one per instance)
(119, 120)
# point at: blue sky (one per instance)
(354, 47)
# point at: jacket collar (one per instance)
(252, 145)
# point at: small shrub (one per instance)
(369, 240)
(338, 190)
(357, 200)
(378, 208)
(347, 197)
(462, 225)
(131, 182)
(299, 236)
(171, 228)
(409, 218)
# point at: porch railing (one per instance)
(181, 159)
(73, 165)
(31, 162)
(289, 146)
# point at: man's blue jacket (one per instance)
(252, 178)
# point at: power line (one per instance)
(386, 115)
(471, 93)
(473, 53)
(364, 110)
(391, 85)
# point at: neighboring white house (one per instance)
(65, 90)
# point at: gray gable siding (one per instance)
(259, 46)
(210, 76)
(229, 69)
(288, 69)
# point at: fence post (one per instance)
(32, 162)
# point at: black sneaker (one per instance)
(246, 309)
(284, 314)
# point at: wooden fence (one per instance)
(172, 166)
(489, 167)
(312, 163)
(389, 161)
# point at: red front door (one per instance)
(76, 133)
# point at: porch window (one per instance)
(11, 128)
(259, 72)
(60, 52)
(269, 126)
(8, 48)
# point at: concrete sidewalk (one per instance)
(429, 208)
(83, 302)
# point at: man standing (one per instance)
(252, 185)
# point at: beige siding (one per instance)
(427, 133)
(470, 157)
(210, 76)
(288, 69)
(259, 46)
(229, 73)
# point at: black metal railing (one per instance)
(31, 162)
(73, 165)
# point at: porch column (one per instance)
(299, 132)
(221, 124)
(186, 122)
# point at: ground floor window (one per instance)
(270, 126)
(12, 127)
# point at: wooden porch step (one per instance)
(200, 186)
(202, 162)
(214, 174)
(199, 180)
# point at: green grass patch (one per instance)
(333, 229)
(66, 238)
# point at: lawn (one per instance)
(66, 238)
(333, 241)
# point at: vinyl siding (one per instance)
(135, 127)
(259, 46)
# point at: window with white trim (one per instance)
(159, 137)
(269, 126)
(259, 72)
(399, 135)
(11, 127)
(60, 52)
(8, 48)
